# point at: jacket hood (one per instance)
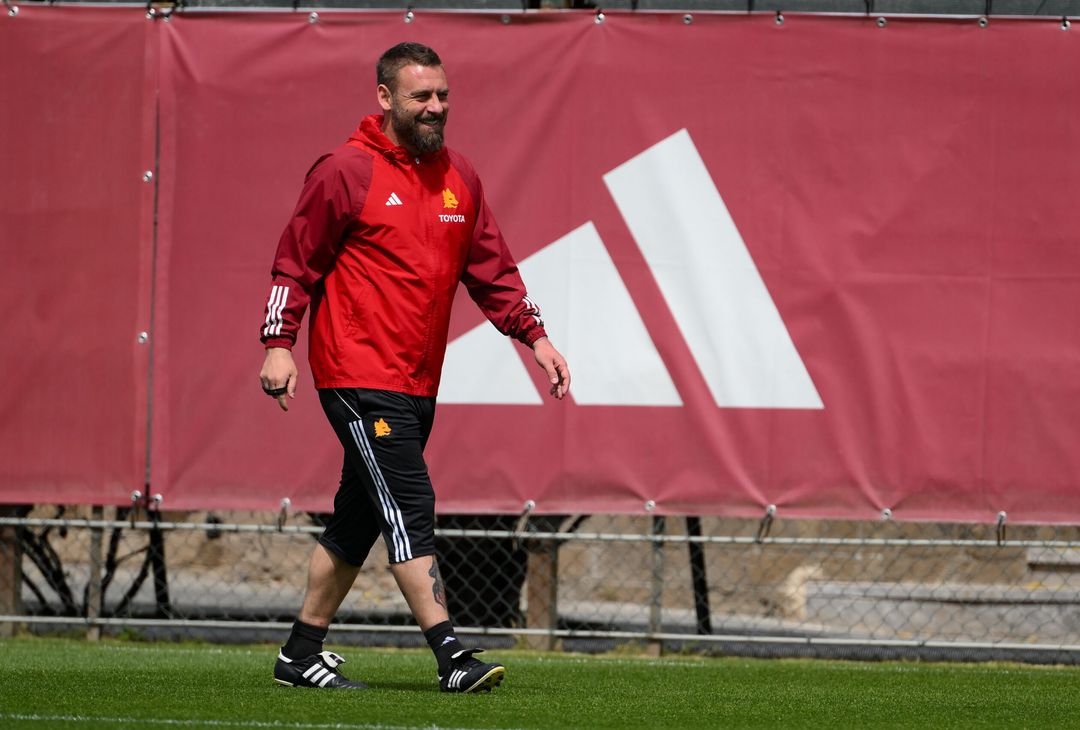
(369, 133)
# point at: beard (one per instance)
(424, 138)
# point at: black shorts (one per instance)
(385, 486)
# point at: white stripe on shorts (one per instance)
(402, 547)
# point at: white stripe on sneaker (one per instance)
(326, 680)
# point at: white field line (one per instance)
(14, 717)
(270, 650)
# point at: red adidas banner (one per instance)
(826, 264)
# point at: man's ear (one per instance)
(385, 96)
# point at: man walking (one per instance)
(385, 228)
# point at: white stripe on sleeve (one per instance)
(279, 295)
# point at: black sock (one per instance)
(304, 640)
(442, 641)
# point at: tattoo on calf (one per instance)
(437, 588)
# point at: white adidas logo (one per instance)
(708, 280)
(394, 200)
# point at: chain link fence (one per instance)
(581, 582)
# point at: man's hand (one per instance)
(554, 365)
(278, 372)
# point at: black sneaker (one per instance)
(471, 675)
(317, 670)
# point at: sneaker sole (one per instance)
(489, 681)
(283, 683)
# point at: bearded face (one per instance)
(415, 109)
(421, 130)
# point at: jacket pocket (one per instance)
(358, 299)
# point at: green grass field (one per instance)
(54, 683)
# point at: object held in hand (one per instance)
(276, 392)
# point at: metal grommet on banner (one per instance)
(283, 515)
(1065, 24)
(148, 176)
(153, 513)
(599, 17)
(886, 514)
(779, 18)
(163, 8)
(14, 10)
(136, 504)
(687, 19)
(650, 505)
(505, 20)
(313, 17)
(882, 22)
(1001, 527)
(984, 21)
(524, 518)
(765, 524)
(409, 17)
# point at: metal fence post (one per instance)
(93, 588)
(10, 572)
(656, 602)
(698, 577)
(542, 590)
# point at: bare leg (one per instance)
(329, 580)
(422, 586)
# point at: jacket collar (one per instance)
(369, 134)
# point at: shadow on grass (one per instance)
(426, 687)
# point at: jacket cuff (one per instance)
(278, 342)
(533, 335)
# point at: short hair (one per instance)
(401, 55)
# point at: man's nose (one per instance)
(435, 105)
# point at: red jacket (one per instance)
(377, 245)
